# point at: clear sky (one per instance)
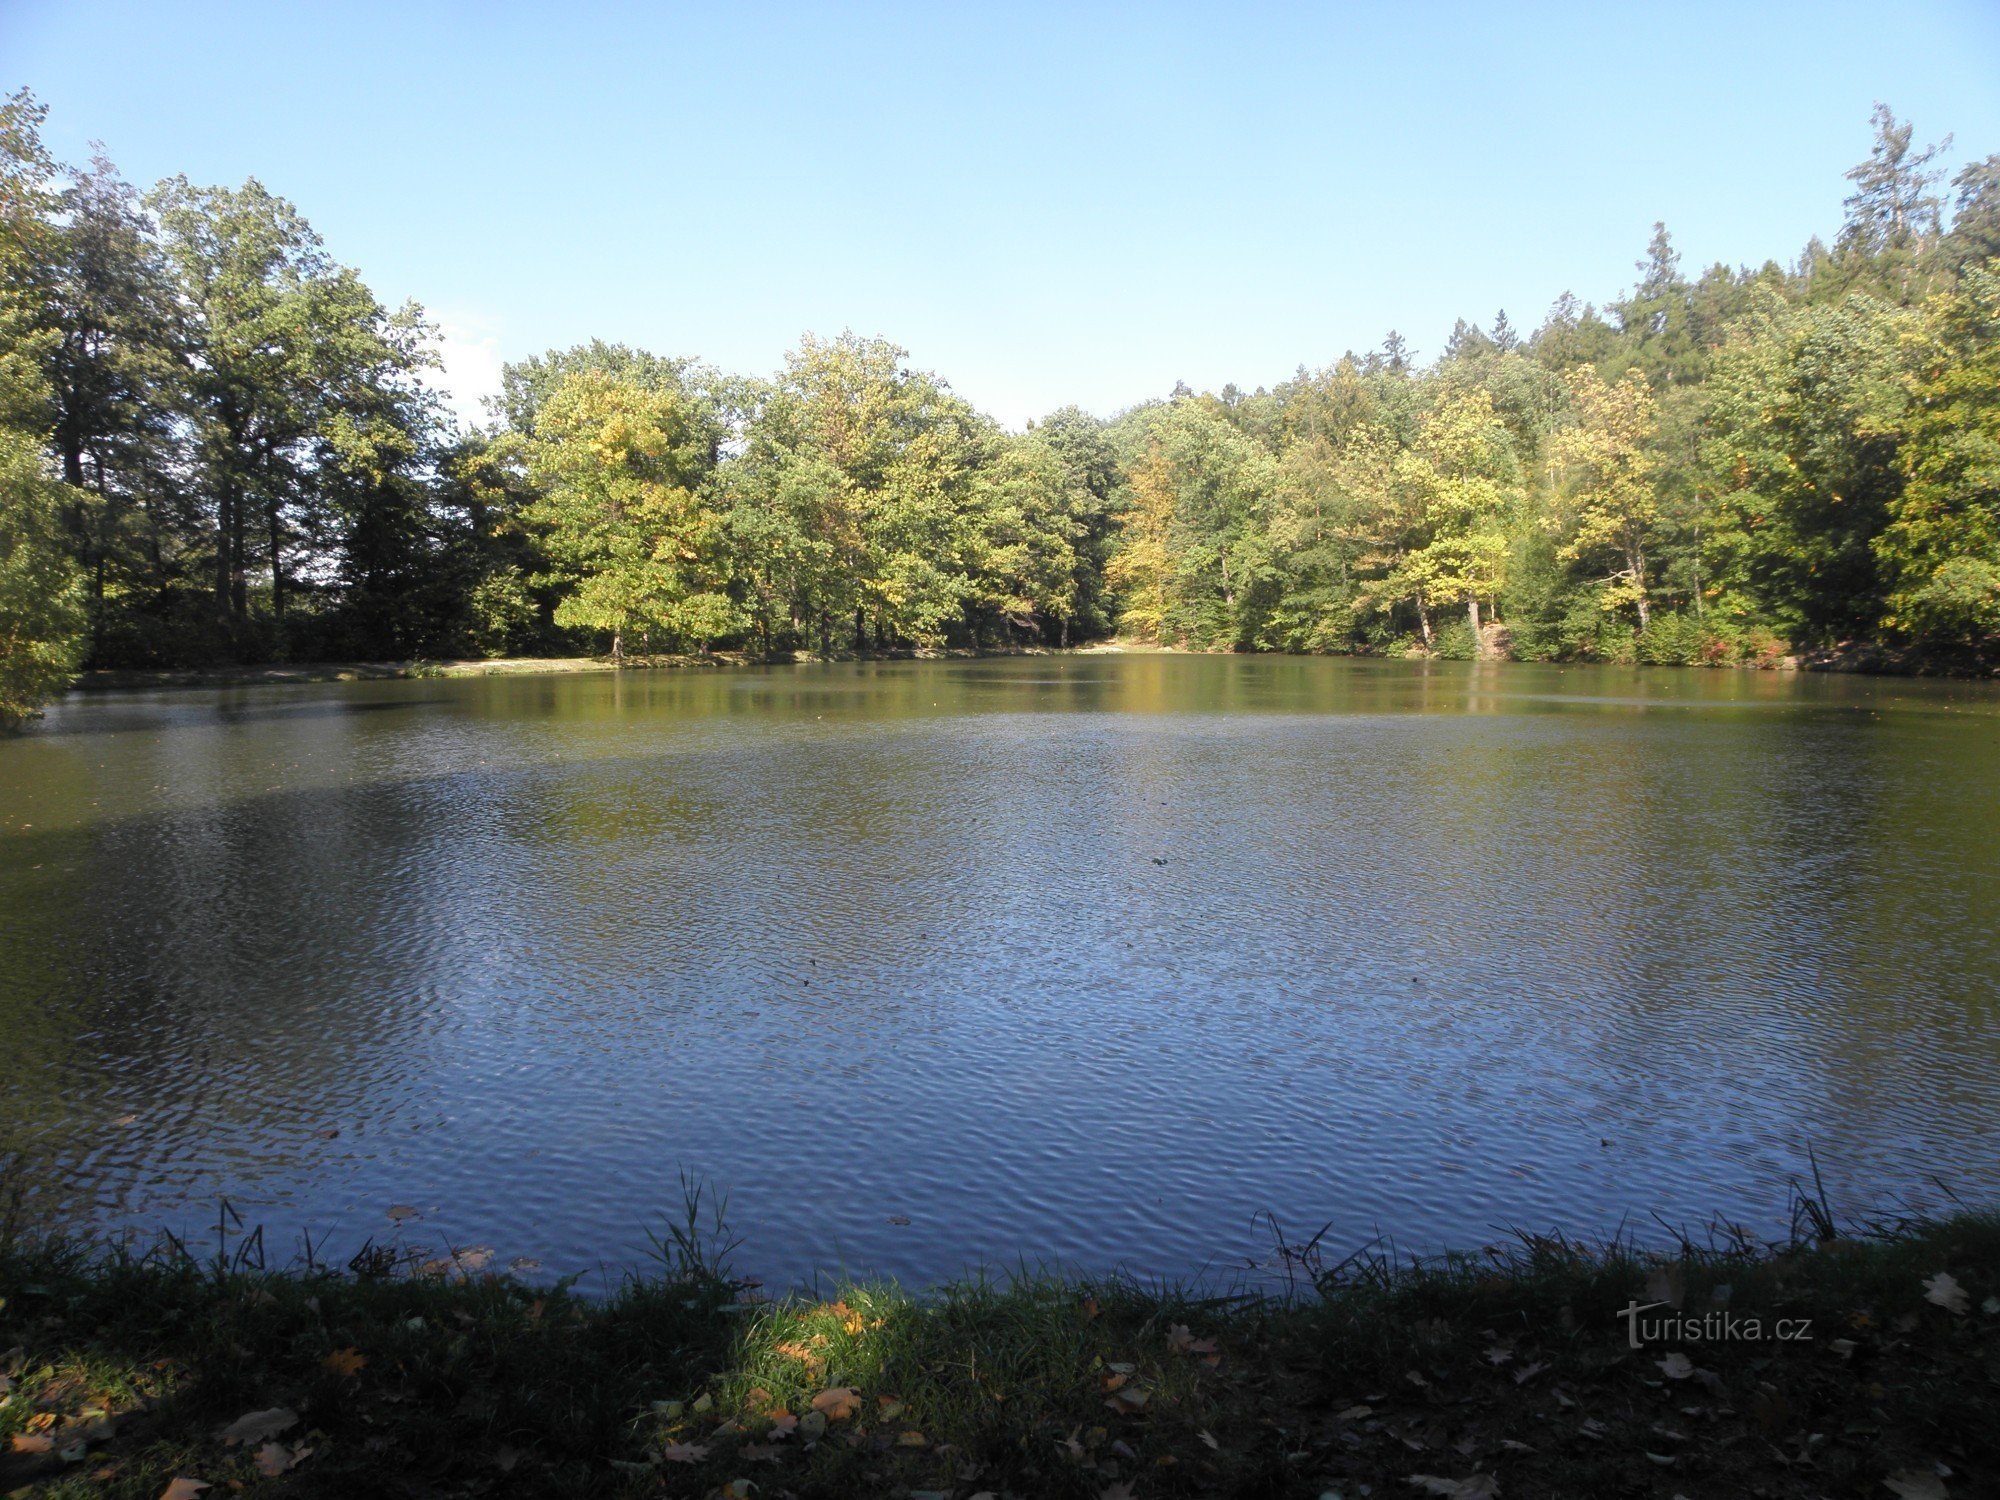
(1044, 204)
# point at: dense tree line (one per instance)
(216, 445)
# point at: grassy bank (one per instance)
(1505, 1372)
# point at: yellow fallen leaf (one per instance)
(910, 1440)
(346, 1362)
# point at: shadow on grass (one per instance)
(1833, 1363)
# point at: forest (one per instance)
(218, 446)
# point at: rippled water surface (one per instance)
(1090, 959)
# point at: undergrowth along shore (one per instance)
(1841, 1362)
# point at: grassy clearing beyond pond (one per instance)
(1503, 1373)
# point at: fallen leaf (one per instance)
(124, 1120)
(1178, 1337)
(1666, 1284)
(1356, 1413)
(1478, 1487)
(258, 1426)
(1120, 1491)
(763, 1453)
(274, 1459)
(346, 1361)
(783, 1423)
(684, 1453)
(1528, 1372)
(1499, 1354)
(812, 1425)
(837, 1403)
(1208, 1438)
(911, 1440)
(401, 1211)
(1916, 1484)
(1943, 1290)
(899, 1218)
(184, 1489)
(1676, 1366)
(1090, 1308)
(33, 1442)
(524, 1263)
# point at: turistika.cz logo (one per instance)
(1716, 1326)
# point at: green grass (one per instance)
(1503, 1372)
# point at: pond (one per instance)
(1088, 960)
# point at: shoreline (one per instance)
(1860, 661)
(1836, 1362)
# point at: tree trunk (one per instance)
(618, 647)
(225, 508)
(239, 583)
(275, 529)
(1065, 632)
(1424, 620)
(860, 639)
(1472, 613)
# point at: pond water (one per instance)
(1089, 960)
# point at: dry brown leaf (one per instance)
(401, 1211)
(33, 1442)
(347, 1361)
(911, 1440)
(184, 1488)
(837, 1403)
(1666, 1284)
(684, 1453)
(258, 1426)
(1178, 1337)
(274, 1459)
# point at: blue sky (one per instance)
(1044, 204)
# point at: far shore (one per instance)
(1868, 660)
